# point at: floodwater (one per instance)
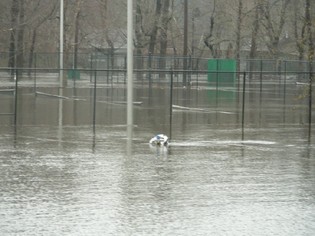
(61, 175)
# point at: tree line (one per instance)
(214, 28)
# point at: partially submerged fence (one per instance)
(151, 71)
(152, 64)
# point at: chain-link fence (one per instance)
(222, 91)
(148, 67)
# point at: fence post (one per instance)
(35, 72)
(171, 103)
(261, 71)
(217, 76)
(125, 71)
(285, 81)
(108, 65)
(149, 67)
(16, 95)
(190, 70)
(279, 68)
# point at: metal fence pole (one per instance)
(35, 73)
(285, 81)
(149, 68)
(243, 104)
(261, 71)
(125, 71)
(171, 103)
(91, 67)
(16, 95)
(108, 65)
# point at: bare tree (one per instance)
(209, 38)
(274, 24)
(72, 12)
(255, 29)
(15, 9)
(38, 21)
(155, 27)
(309, 29)
(239, 30)
(140, 40)
(166, 17)
(29, 26)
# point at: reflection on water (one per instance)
(62, 177)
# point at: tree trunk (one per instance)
(300, 37)
(154, 31)
(32, 49)
(76, 36)
(20, 39)
(164, 27)
(13, 34)
(139, 41)
(274, 31)
(255, 30)
(239, 33)
(209, 38)
(163, 40)
(36, 26)
(308, 20)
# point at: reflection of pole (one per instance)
(60, 116)
(61, 45)
(35, 74)
(310, 99)
(243, 105)
(129, 69)
(192, 34)
(284, 90)
(94, 102)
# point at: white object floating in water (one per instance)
(301, 83)
(160, 140)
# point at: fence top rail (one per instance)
(57, 70)
(280, 60)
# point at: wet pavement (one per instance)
(61, 175)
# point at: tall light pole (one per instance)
(185, 40)
(60, 118)
(61, 45)
(129, 68)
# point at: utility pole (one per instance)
(61, 45)
(185, 41)
(129, 69)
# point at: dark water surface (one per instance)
(59, 176)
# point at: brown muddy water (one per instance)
(60, 175)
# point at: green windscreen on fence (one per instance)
(222, 72)
(74, 74)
